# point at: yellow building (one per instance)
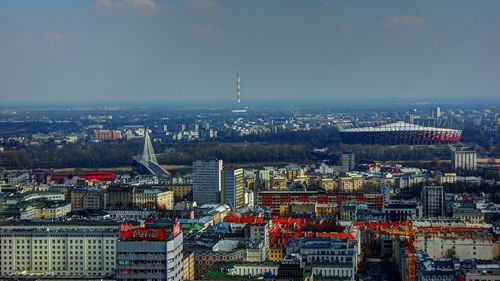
(284, 210)
(390, 181)
(55, 211)
(182, 192)
(371, 182)
(250, 183)
(328, 184)
(292, 174)
(326, 210)
(350, 183)
(446, 178)
(275, 254)
(188, 266)
(165, 200)
(278, 183)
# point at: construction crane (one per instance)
(408, 233)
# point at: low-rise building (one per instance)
(87, 199)
(165, 200)
(55, 210)
(331, 257)
(119, 196)
(469, 215)
(255, 269)
(478, 245)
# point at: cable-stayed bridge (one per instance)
(147, 163)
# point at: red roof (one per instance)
(101, 176)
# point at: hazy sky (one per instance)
(143, 50)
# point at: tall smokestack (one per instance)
(238, 95)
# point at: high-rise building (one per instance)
(149, 253)
(410, 118)
(464, 160)
(207, 181)
(348, 161)
(436, 112)
(433, 201)
(234, 194)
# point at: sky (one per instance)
(191, 50)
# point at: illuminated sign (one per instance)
(176, 228)
(126, 226)
(148, 234)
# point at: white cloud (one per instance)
(205, 30)
(203, 5)
(394, 21)
(115, 5)
(54, 36)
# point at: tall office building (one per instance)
(207, 181)
(410, 118)
(347, 161)
(464, 160)
(436, 112)
(433, 201)
(234, 194)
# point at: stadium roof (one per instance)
(398, 127)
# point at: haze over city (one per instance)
(145, 50)
(231, 140)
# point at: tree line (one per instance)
(281, 147)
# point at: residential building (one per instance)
(87, 199)
(188, 266)
(400, 210)
(255, 269)
(350, 183)
(335, 257)
(182, 192)
(464, 160)
(347, 161)
(483, 275)
(119, 196)
(107, 135)
(55, 210)
(433, 201)
(469, 215)
(274, 199)
(165, 200)
(153, 198)
(479, 245)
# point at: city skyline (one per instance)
(145, 50)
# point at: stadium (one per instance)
(400, 133)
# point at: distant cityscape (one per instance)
(336, 214)
(220, 140)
